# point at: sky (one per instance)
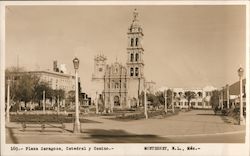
(185, 46)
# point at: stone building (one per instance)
(120, 85)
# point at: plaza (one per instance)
(189, 109)
(196, 126)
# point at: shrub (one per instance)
(36, 118)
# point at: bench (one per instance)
(42, 125)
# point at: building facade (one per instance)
(120, 85)
(200, 99)
(229, 95)
(56, 80)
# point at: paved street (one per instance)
(197, 126)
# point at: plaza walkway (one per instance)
(196, 125)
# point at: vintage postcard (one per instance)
(125, 78)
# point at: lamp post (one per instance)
(145, 104)
(172, 98)
(165, 100)
(8, 102)
(240, 73)
(227, 87)
(58, 104)
(77, 122)
(222, 98)
(44, 102)
(96, 104)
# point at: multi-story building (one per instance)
(200, 98)
(119, 85)
(56, 80)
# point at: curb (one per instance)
(88, 135)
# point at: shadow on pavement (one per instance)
(208, 114)
(88, 121)
(121, 136)
(13, 139)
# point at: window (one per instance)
(116, 85)
(132, 57)
(136, 71)
(136, 41)
(132, 42)
(136, 57)
(131, 72)
(100, 69)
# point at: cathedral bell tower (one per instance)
(135, 64)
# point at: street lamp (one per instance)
(145, 104)
(172, 98)
(240, 73)
(165, 101)
(228, 98)
(44, 102)
(77, 125)
(8, 102)
(96, 104)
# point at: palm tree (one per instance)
(189, 95)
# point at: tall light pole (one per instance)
(44, 102)
(8, 102)
(240, 73)
(77, 125)
(145, 104)
(96, 104)
(227, 87)
(58, 104)
(165, 100)
(172, 100)
(222, 98)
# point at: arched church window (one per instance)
(131, 71)
(132, 42)
(136, 71)
(132, 57)
(136, 57)
(136, 41)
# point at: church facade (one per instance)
(121, 85)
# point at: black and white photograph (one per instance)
(85, 77)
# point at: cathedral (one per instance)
(119, 86)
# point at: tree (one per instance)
(215, 100)
(9, 76)
(26, 88)
(189, 96)
(58, 94)
(153, 99)
(39, 89)
(22, 85)
(169, 97)
(160, 96)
